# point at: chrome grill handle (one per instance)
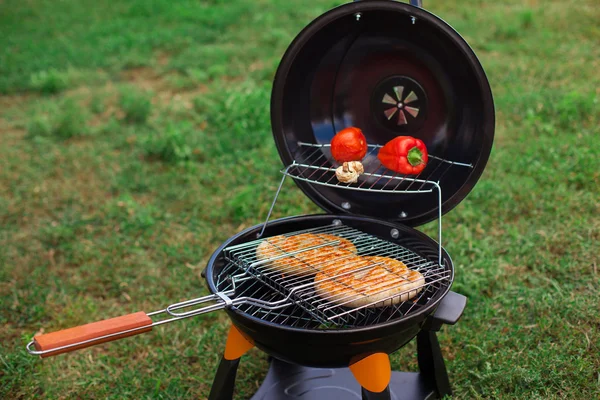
(222, 298)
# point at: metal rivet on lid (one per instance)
(395, 233)
(336, 222)
(357, 16)
(346, 205)
(403, 214)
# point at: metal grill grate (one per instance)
(301, 305)
(313, 163)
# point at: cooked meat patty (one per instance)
(371, 281)
(288, 254)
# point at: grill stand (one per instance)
(286, 381)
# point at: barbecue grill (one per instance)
(391, 69)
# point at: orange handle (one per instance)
(92, 331)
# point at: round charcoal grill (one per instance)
(325, 334)
(390, 69)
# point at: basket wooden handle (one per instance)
(91, 334)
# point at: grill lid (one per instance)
(389, 69)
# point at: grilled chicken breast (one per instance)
(370, 281)
(289, 255)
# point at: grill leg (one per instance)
(224, 382)
(373, 373)
(366, 395)
(431, 363)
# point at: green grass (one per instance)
(49, 82)
(62, 120)
(135, 105)
(126, 159)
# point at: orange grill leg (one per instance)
(373, 372)
(237, 345)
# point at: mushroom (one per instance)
(349, 171)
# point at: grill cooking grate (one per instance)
(300, 305)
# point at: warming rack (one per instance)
(313, 163)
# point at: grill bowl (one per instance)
(330, 348)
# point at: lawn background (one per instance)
(135, 138)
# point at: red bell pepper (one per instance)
(404, 154)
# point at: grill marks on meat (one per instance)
(373, 281)
(341, 276)
(287, 254)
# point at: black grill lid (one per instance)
(356, 63)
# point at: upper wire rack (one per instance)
(313, 163)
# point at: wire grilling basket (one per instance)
(295, 285)
(314, 164)
(289, 297)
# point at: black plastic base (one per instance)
(287, 381)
